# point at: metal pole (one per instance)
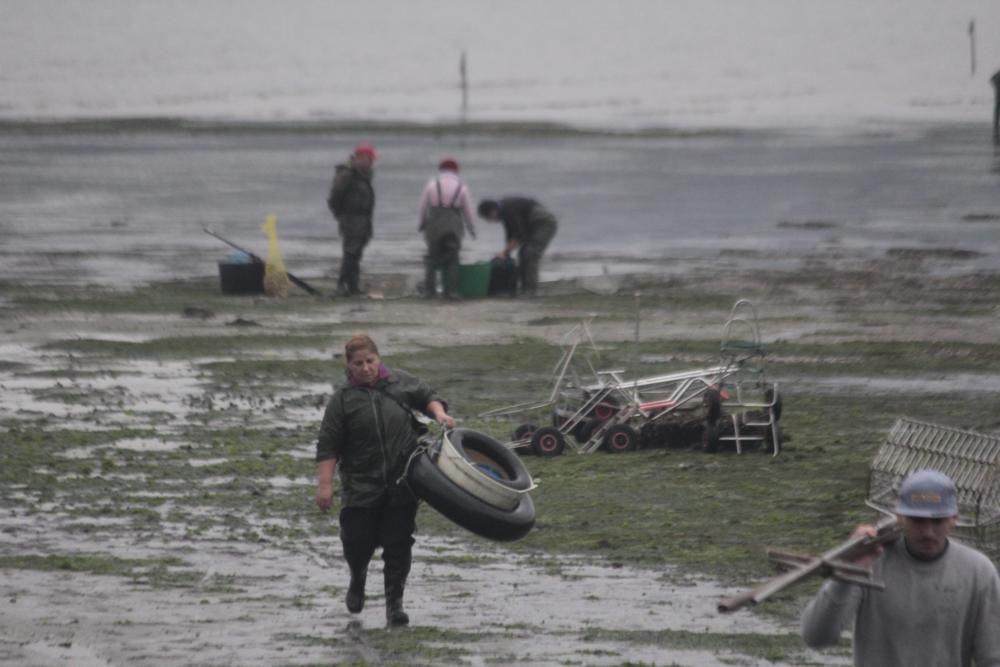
(465, 95)
(972, 45)
(635, 352)
(995, 80)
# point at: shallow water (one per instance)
(647, 63)
(129, 206)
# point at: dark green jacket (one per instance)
(352, 202)
(370, 433)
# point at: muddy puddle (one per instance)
(270, 603)
(138, 392)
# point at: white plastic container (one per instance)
(467, 475)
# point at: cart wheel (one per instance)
(773, 395)
(710, 438)
(621, 438)
(713, 405)
(584, 430)
(524, 431)
(548, 441)
(606, 409)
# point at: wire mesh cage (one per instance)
(971, 459)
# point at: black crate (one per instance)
(241, 278)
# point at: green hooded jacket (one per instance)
(352, 201)
(370, 433)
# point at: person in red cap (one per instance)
(445, 213)
(352, 202)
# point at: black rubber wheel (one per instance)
(712, 401)
(772, 394)
(463, 508)
(583, 430)
(524, 431)
(491, 458)
(606, 409)
(548, 441)
(621, 438)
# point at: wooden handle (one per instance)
(737, 601)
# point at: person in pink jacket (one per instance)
(445, 213)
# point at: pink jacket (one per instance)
(450, 182)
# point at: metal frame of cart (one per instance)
(970, 458)
(609, 411)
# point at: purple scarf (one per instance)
(383, 373)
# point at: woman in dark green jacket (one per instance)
(368, 429)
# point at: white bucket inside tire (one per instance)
(471, 478)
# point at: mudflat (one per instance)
(157, 478)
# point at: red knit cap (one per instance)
(365, 150)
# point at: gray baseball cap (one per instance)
(927, 494)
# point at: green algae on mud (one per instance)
(774, 648)
(189, 346)
(658, 508)
(155, 572)
(870, 357)
(415, 645)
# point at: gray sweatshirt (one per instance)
(941, 613)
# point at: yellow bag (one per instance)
(275, 277)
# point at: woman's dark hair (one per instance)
(487, 208)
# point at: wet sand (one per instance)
(260, 582)
(248, 596)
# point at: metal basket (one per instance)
(971, 459)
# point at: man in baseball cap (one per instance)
(941, 603)
(927, 508)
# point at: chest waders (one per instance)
(352, 203)
(387, 525)
(443, 231)
(539, 230)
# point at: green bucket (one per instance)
(474, 280)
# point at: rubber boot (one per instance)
(356, 592)
(344, 278)
(430, 280)
(353, 279)
(450, 278)
(394, 614)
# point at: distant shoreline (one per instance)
(353, 126)
(492, 128)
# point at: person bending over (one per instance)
(529, 227)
